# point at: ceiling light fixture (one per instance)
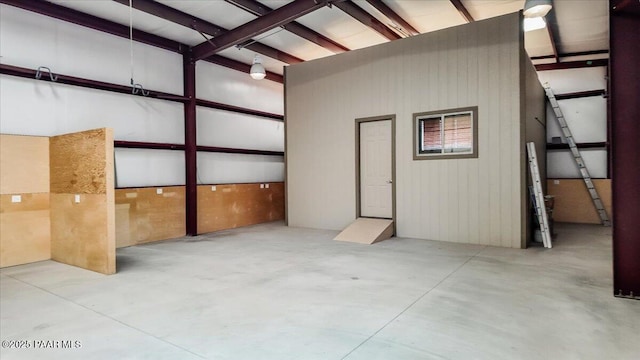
(535, 23)
(257, 71)
(536, 8)
(534, 12)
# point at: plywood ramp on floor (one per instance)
(367, 231)
(573, 204)
(82, 200)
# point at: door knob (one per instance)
(389, 181)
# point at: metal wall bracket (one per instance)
(138, 89)
(52, 77)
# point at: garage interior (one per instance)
(173, 175)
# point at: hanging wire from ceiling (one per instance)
(135, 87)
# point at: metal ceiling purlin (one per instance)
(572, 65)
(79, 18)
(192, 22)
(581, 53)
(462, 10)
(293, 27)
(367, 19)
(93, 22)
(393, 16)
(279, 17)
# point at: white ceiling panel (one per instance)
(342, 28)
(484, 9)
(293, 44)
(427, 16)
(583, 25)
(218, 12)
(119, 13)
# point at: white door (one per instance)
(375, 169)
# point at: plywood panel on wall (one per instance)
(231, 206)
(24, 164)
(78, 163)
(573, 203)
(143, 215)
(463, 200)
(24, 229)
(83, 232)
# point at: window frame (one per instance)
(417, 136)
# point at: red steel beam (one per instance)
(239, 66)
(580, 94)
(624, 87)
(581, 53)
(190, 150)
(367, 19)
(393, 16)
(87, 83)
(304, 32)
(590, 145)
(79, 18)
(178, 17)
(122, 89)
(242, 33)
(180, 147)
(572, 65)
(462, 10)
(237, 109)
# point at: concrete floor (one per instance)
(272, 292)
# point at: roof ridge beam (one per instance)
(187, 20)
(258, 9)
(242, 33)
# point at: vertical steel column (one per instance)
(190, 149)
(624, 87)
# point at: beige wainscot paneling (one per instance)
(24, 229)
(24, 164)
(235, 205)
(143, 215)
(477, 201)
(572, 202)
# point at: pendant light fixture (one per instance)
(257, 71)
(534, 13)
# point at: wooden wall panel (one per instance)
(232, 206)
(83, 233)
(78, 163)
(573, 203)
(24, 229)
(24, 164)
(143, 215)
(459, 200)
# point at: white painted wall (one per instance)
(586, 117)
(462, 200)
(30, 107)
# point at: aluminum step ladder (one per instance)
(541, 210)
(597, 202)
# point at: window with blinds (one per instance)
(446, 133)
